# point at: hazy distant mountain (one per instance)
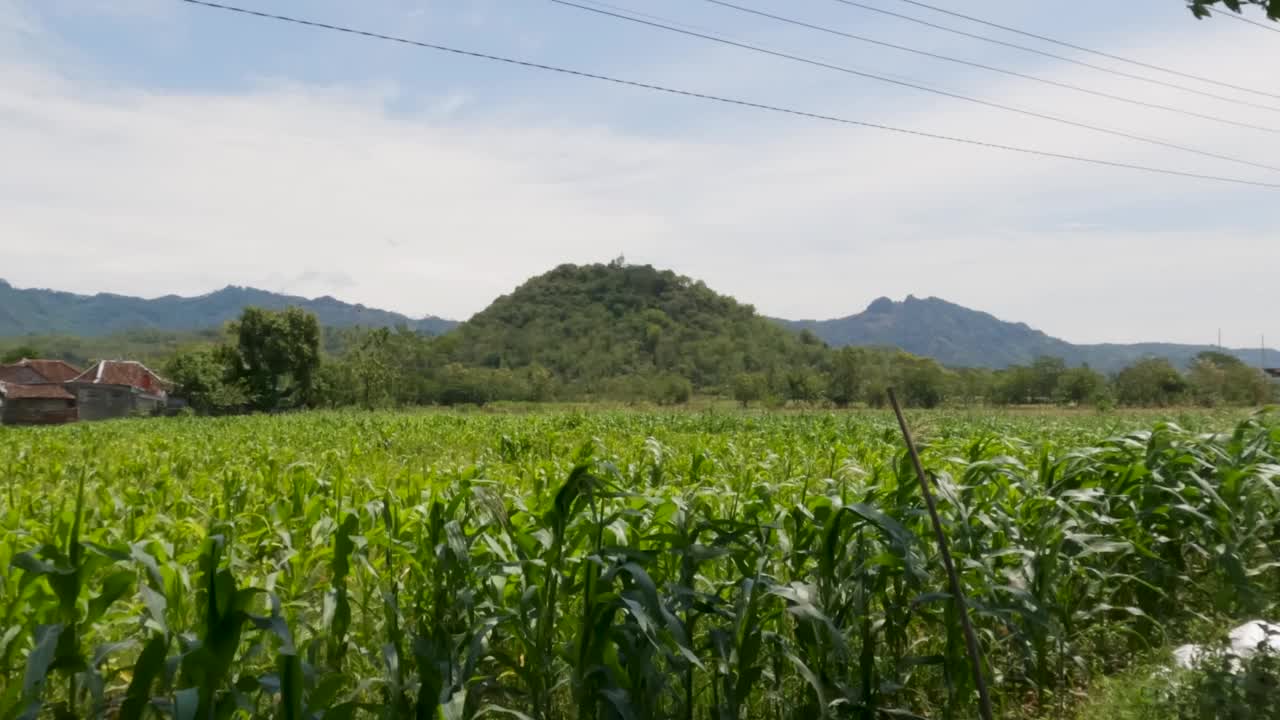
(960, 337)
(45, 312)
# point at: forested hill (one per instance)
(959, 337)
(590, 323)
(51, 312)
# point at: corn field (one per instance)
(619, 565)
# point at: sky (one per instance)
(154, 146)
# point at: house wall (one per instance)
(37, 411)
(147, 404)
(102, 402)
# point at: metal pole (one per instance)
(962, 608)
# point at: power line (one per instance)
(1082, 48)
(1265, 26)
(914, 86)
(1055, 56)
(702, 28)
(733, 101)
(991, 68)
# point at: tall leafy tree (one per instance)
(845, 380)
(1079, 385)
(373, 368)
(1218, 378)
(1046, 372)
(202, 378)
(1014, 385)
(276, 356)
(922, 381)
(1153, 381)
(750, 387)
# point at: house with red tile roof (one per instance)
(36, 404)
(19, 374)
(56, 371)
(29, 371)
(31, 392)
(119, 388)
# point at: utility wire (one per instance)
(1272, 26)
(915, 86)
(704, 29)
(1091, 51)
(733, 101)
(981, 66)
(1055, 56)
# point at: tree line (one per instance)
(281, 360)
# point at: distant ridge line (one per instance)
(26, 311)
(952, 334)
(961, 337)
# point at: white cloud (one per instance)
(324, 189)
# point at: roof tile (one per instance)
(46, 391)
(55, 371)
(123, 372)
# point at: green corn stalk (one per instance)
(68, 570)
(337, 608)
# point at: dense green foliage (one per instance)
(153, 347)
(1220, 686)
(1150, 382)
(19, 352)
(636, 334)
(393, 369)
(1216, 378)
(610, 565)
(589, 324)
(51, 312)
(271, 362)
(1223, 687)
(203, 378)
(627, 332)
(276, 357)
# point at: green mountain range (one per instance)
(51, 312)
(959, 337)
(631, 318)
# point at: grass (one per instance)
(1127, 696)
(617, 564)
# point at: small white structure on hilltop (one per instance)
(1245, 642)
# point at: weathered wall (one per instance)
(102, 402)
(144, 403)
(37, 411)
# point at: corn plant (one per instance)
(613, 565)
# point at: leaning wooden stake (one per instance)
(962, 608)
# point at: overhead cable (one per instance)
(733, 101)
